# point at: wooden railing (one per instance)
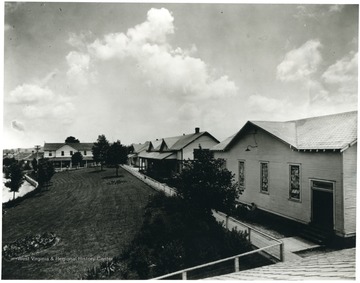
(236, 259)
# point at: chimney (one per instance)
(197, 130)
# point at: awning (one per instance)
(157, 155)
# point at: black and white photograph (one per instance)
(179, 141)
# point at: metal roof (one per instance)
(336, 265)
(335, 131)
(157, 155)
(77, 146)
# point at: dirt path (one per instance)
(93, 213)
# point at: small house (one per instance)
(60, 153)
(303, 170)
(164, 157)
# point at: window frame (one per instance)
(300, 194)
(242, 187)
(261, 177)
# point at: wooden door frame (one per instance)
(326, 191)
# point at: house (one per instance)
(135, 150)
(60, 153)
(164, 157)
(303, 170)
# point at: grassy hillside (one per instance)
(95, 214)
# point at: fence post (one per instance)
(282, 257)
(184, 276)
(237, 265)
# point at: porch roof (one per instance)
(157, 155)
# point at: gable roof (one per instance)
(77, 146)
(171, 144)
(140, 147)
(335, 131)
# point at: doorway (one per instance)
(323, 204)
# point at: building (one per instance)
(135, 150)
(164, 157)
(303, 170)
(60, 153)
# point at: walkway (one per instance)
(337, 265)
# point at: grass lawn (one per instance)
(95, 214)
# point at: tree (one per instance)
(117, 154)
(76, 158)
(8, 161)
(34, 164)
(100, 149)
(71, 139)
(205, 184)
(45, 172)
(16, 177)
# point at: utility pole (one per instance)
(37, 148)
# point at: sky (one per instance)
(136, 72)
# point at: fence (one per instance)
(257, 238)
(149, 181)
(31, 181)
(214, 271)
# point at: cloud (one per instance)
(343, 71)
(16, 125)
(79, 73)
(172, 70)
(300, 63)
(30, 94)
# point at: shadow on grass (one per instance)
(97, 171)
(113, 177)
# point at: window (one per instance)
(264, 175)
(295, 182)
(71, 152)
(242, 175)
(62, 153)
(84, 152)
(50, 153)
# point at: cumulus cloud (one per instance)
(343, 71)
(300, 63)
(17, 126)
(79, 73)
(165, 67)
(30, 94)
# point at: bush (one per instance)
(172, 238)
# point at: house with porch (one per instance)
(135, 150)
(60, 153)
(304, 170)
(164, 157)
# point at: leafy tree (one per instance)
(45, 172)
(15, 176)
(8, 161)
(116, 154)
(34, 164)
(100, 149)
(71, 139)
(76, 158)
(205, 184)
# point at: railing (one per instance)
(151, 182)
(257, 238)
(236, 258)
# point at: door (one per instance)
(323, 204)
